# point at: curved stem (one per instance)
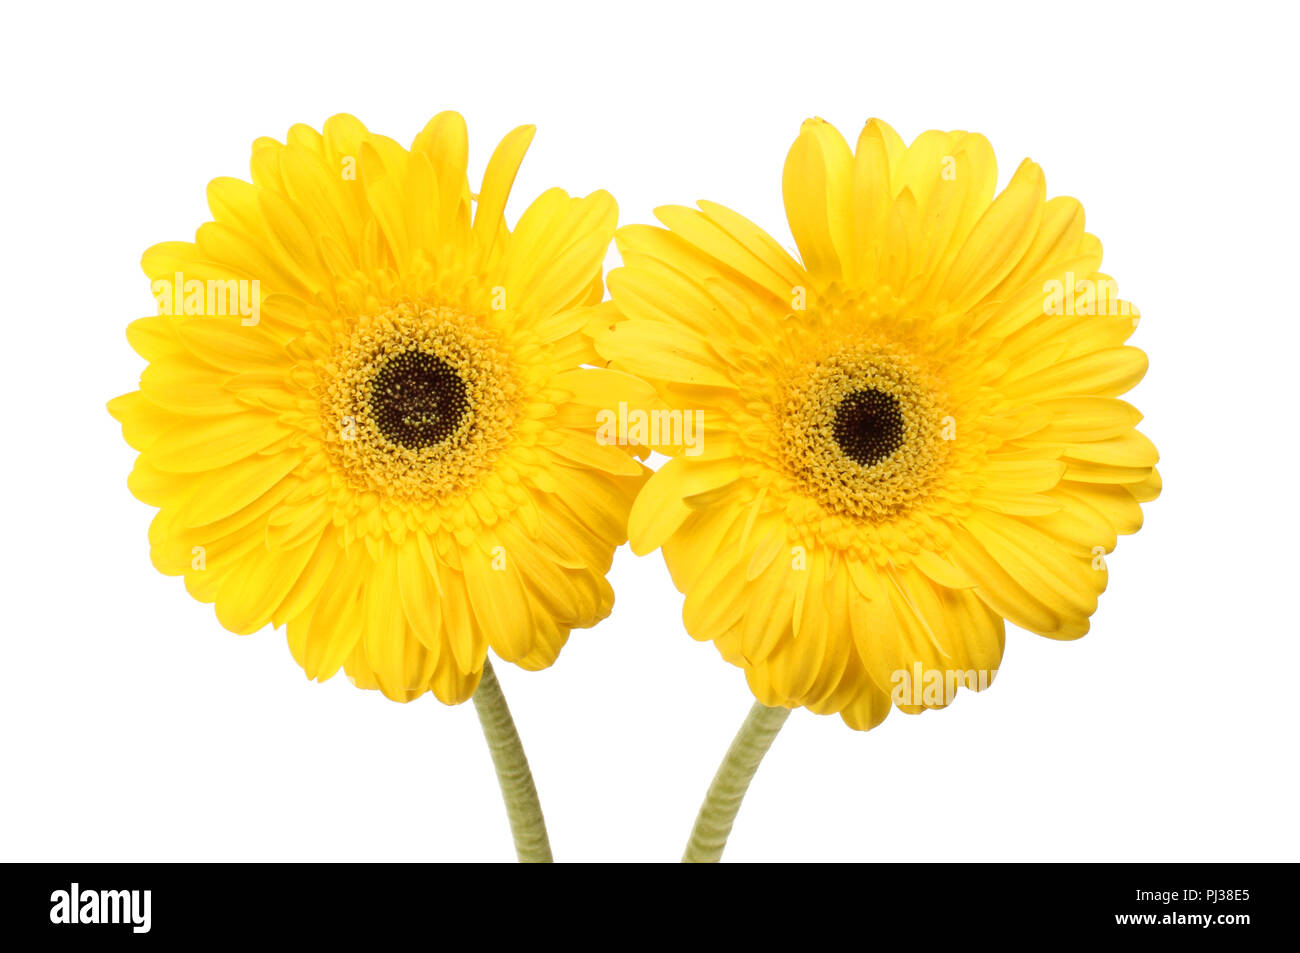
(718, 812)
(517, 788)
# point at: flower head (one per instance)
(911, 435)
(366, 416)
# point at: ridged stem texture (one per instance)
(718, 812)
(522, 806)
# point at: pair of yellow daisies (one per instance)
(379, 416)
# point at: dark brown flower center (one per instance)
(868, 426)
(417, 399)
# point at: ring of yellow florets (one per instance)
(860, 429)
(417, 402)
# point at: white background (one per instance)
(132, 726)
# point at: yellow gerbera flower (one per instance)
(909, 436)
(365, 414)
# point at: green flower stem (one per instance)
(517, 788)
(718, 812)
